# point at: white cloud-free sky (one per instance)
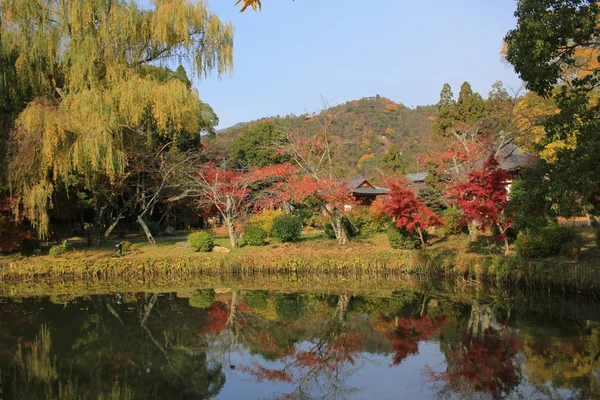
(293, 52)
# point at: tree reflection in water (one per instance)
(484, 362)
(141, 346)
(323, 365)
(118, 351)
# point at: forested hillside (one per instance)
(364, 131)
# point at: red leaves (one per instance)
(409, 332)
(274, 375)
(483, 196)
(222, 188)
(216, 318)
(410, 213)
(12, 233)
(483, 365)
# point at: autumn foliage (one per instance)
(407, 211)
(483, 196)
(409, 332)
(486, 365)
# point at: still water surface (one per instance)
(236, 344)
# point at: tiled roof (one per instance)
(418, 177)
(371, 190)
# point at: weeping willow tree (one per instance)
(89, 63)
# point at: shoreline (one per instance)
(296, 263)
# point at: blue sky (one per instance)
(293, 52)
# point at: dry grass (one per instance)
(316, 255)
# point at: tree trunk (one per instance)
(232, 234)
(338, 228)
(142, 223)
(95, 235)
(506, 248)
(473, 227)
(341, 310)
(421, 237)
(113, 225)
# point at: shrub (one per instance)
(203, 298)
(368, 221)
(255, 235)
(401, 239)
(126, 246)
(289, 307)
(451, 218)
(28, 247)
(201, 241)
(241, 242)
(287, 228)
(549, 241)
(265, 220)
(351, 229)
(257, 299)
(598, 237)
(153, 227)
(59, 249)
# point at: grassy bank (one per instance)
(314, 255)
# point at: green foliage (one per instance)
(361, 124)
(255, 235)
(289, 307)
(58, 250)
(401, 239)
(257, 299)
(367, 221)
(531, 202)
(451, 218)
(554, 50)
(433, 192)
(393, 161)
(469, 108)
(201, 241)
(254, 147)
(549, 241)
(287, 228)
(203, 298)
(241, 242)
(265, 220)
(349, 226)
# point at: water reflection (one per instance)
(222, 343)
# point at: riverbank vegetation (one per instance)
(314, 256)
(144, 156)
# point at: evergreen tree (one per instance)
(393, 161)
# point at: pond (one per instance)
(253, 344)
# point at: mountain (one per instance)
(364, 129)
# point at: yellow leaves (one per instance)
(255, 4)
(364, 159)
(551, 150)
(529, 115)
(365, 144)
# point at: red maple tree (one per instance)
(407, 211)
(228, 192)
(483, 197)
